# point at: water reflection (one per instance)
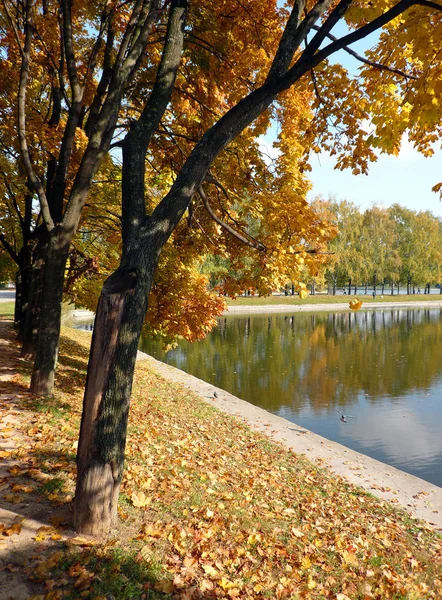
(381, 366)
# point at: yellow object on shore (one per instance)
(303, 293)
(355, 304)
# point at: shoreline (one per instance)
(419, 498)
(268, 308)
(79, 313)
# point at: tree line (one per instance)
(381, 248)
(133, 128)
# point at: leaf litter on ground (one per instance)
(210, 509)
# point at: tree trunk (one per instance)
(392, 287)
(42, 382)
(118, 321)
(32, 295)
(349, 287)
(18, 313)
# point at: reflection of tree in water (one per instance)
(322, 359)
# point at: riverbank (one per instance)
(280, 304)
(328, 307)
(418, 497)
(209, 508)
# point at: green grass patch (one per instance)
(7, 310)
(325, 299)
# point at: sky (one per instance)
(406, 179)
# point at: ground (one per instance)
(208, 508)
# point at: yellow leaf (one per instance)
(225, 584)
(297, 532)
(355, 304)
(81, 541)
(165, 586)
(210, 570)
(15, 528)
(140, 500)
(306, 563)
(349, 558)
(311, 584)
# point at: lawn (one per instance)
(6, 310)
(323, 299)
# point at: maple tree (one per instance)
(123, 301)
(76, 60)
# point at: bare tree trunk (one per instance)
(29, 327)
(118, 321)
(42, 382)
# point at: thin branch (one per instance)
(256, 245)
(14, 199)
(14, 27)
(21, 105)
(9, 249)
(364, 60)
(71, 64)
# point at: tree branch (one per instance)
(256, 245)
(170, 210)
(9, 249)
(21, 106)
(13, 26)
(366, 61)
(103, 127)
(139, 137)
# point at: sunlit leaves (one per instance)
(355, 304)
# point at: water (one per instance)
(383, 368)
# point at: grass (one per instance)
(6, 310)
(210, 509)
(320, 299)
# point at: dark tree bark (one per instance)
(120, 314)
(31, 316)
(49, 321)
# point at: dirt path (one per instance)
(23, 510)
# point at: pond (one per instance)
(382, 368)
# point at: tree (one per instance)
(66, 121)
(123, 301)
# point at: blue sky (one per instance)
(406, 179)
